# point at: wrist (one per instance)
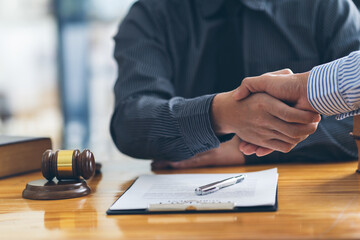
(218, 114)
(303, 79)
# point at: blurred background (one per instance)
(57, 70)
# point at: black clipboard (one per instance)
(235, 209)
(192, 209)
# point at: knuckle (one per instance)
(288, 148)
(283, 146)
(259, 106)
(245, 80)
(313, 128)
(308, 118)
(285, 115)
(262, 131)
(274, 132)
(304, 137)
(288, 71)
(306, 129)
(295, 132)
(296, 140)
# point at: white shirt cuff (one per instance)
(323, 89)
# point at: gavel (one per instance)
(68, 164)
(70, 167)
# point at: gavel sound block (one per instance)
(70, 167)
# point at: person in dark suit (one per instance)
(179, 62)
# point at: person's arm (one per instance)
(337, 30)
(150, 121)
(334, 88)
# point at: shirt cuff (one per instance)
(195, 124)
(348, 114)
(323, 89)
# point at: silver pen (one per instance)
(215, 186)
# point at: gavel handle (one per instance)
(356, 135)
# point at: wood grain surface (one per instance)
(316, 201)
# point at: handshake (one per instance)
(268, 113)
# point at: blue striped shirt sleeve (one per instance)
(334, 88)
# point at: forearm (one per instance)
(333, 87)
(149, 121)
(154, 128)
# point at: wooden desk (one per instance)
(315, 201)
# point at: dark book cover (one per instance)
(21, 154)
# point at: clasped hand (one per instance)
(263, 122)
(287, 87)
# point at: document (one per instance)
(257, 189)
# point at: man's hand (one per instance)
(262, 120)
(227, 154)
(283, 85)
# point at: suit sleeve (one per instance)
(149, 120)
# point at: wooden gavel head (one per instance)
(68, 164)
